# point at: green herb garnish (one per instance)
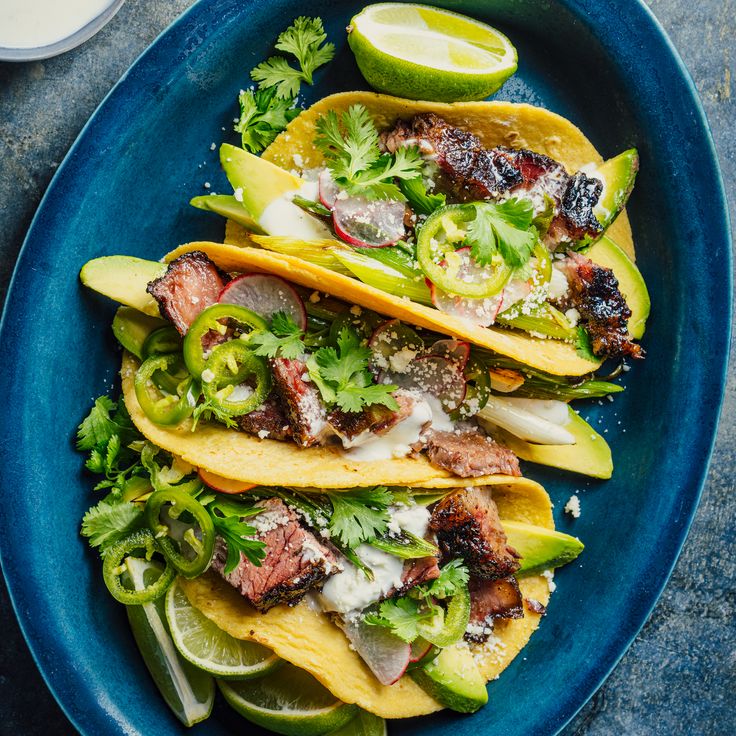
(359, 516)
(284, 339)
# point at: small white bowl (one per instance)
(65, 44)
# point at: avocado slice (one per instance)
(227, 206)
(131, 328)
(618, 175)
(540, 548)
(606, 253)
(590, 455)
(124, 279)
(453, 679)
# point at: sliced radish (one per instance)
(481, 312)
(328, 190)
(514, 292)
(223, 485)
(386, 655)
(436, 376)
(368, 223)
(419, 649)
(456, 351)
(265, 295)
(394, 345)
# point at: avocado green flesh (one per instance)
(259, 181)
(131, 328)
(630, 281)
(227, 206)
(540, 548)
(124, 279)
(454, 680)
(618, 175)
(590, 455)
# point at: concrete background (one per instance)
(679, 677)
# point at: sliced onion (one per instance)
(481, 312)
(550, 409)
(386, 655)
(368, 223)
(456, 351)
(265, 295)
(523, 424)
(328, 190)
(394, 345)
(514, 292)
(436, 376)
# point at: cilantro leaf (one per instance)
(419, 200)
(98, 427)
(107, 523)
(402, 616)
(238, 536)
(453, 576)
(359, 516)
(341, 374)
(583, 345)
(284, 339)
(504, 228)
(262, 117)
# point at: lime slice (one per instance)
(289, 701)
(189, 692)
(419, 52)
(209, 647)
(364, 724)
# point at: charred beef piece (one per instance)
(594, 292)
(269, 420)
(540, 174)
(467, 525)
(295, 561)
(470, 454)
(376, 418)
(301, 402)
(191, 283)
(472, 170)
(490, 599)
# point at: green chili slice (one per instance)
(450, 221)
(114, 567)
(544, 261)
(228, 367)
(189, 553)
(169, 408)
(162, 341)
(210, 319)
(445, 630)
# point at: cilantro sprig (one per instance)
(267, 110)
(341, 374)
(359, 516)
(228, 517)
(505, 228)
(419, 199)
(350, 145)
(284, 338)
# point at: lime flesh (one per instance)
(419, 52)
(209, 647)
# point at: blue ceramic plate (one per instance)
(124, 188)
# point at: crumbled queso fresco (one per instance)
(572, 506)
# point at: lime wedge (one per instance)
(289, 701)
(189, 692)
(419, 52)
(364, 724)
(209, 647)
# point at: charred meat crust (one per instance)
(467, 525)
(594, 292)
(296, 561)
(489, 600)
(268, 421)
(301, 401)
(376, 418)
(470, 454)
(192, 282)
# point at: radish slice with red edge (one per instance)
(386, 655)
(456, 351)
(265, 295)
(481, 312)
(328, 190)
(436, 376)
(368, 223)
(393, 344)
(419, 649)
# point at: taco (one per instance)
(260, 381)
(492, 222)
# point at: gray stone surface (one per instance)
(679, 677)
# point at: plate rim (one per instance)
(654, 28)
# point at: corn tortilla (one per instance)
(308, 639)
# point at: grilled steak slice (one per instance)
(295, 561)
(576, 219)
(191, 283)
(594, 292)
(473, 171)
(417, 572)
(467, 525)
(490, 599)
(540, 174)
(301, 401)
(267, 421)
(376, 418)
(470, 454)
